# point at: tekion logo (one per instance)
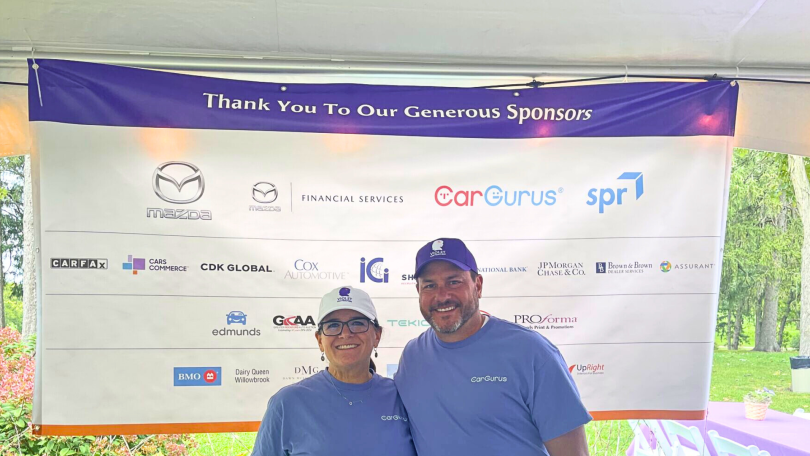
(609, 196)
(374, 270)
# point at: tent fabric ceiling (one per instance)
(727, 33)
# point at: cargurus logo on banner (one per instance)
(614, 195)
(495, 195)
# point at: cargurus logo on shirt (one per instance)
(393, 418)
(488, 378)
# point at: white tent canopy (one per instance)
(494, 42)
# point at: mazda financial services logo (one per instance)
(163, 176)
(264, 192)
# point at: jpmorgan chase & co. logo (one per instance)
(178, 182)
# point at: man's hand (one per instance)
(573, 443)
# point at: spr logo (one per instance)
(610, 196)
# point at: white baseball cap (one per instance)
(347, 298)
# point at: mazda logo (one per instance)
(160, 175)
(264, 192)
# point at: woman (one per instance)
(337, 410)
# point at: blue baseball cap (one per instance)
(446, 249)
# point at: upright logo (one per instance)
(587, 369)
(197, 376)
(374, 271)
(178, 182)
(609, 196)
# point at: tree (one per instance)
(801, 186)
(763, 234)
(11, 226)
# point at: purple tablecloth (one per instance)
(780, 434)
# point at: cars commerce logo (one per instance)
(197, 376)
(374, 271)
(610, 196)
(264, 193)
(294, 323)
(236, 317)
(666, 266)
(587, 369)
(494, 195)
(178, 182)
(155, 264)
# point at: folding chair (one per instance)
(667, 435)
(726, 447)
(640, 445)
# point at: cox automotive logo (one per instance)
(609, 196)
(193, 176)
(495, 195)
(197, 376)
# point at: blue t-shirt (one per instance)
(502, 391)
(311, 418)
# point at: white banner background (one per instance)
(111, 339)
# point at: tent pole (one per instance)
(11, 59)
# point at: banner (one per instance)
(188, 227)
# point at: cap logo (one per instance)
(438, 245)
(344, 295)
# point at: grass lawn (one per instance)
(734, 374)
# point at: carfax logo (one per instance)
(197, 376)
(78, 263)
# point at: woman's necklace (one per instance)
(329, 377)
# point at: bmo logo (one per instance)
(197, 376)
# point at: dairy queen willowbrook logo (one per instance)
(178, 183)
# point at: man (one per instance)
(476, 385)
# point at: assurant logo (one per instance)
(666, 266)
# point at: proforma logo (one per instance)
(609, 196)
(178, 182)
(587, 369)
(666, 266)
(494, 195)
(545, 322)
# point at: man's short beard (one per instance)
(465, 317)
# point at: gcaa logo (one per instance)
(494, 195)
